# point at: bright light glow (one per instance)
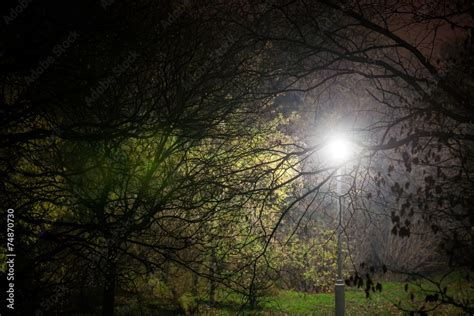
(339, 149)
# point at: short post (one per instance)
(339, 287)
(340, 297)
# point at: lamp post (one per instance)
(339, 286)
(339, 151)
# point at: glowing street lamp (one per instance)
(339, 149)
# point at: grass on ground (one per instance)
(383, 303)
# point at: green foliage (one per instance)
(308, 263)
(159, 289)
(188, 303)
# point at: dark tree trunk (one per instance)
(212, 289)
(108, 299)
(253, 297)
(194, 289)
